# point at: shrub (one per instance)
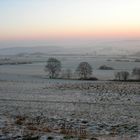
(104, 67)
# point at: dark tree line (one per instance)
(124, 75)
(84, 71)
(53, 68)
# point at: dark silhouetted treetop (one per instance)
(53, 67)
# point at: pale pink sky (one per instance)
(64, 19)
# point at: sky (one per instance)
(52, 22)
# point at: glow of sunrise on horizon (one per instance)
(54, 19)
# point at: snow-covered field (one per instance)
(100, 108)
(33, 106)
(68, 62)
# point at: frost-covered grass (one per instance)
(102, 108)
(68, 62)
(31, 105)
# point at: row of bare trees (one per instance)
(54, 67)
(84, 71)
(124, 75)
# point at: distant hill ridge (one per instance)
(125, 47)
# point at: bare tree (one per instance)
(53, 67)
(136, 72)
(122, 75)
(118, 76)
(84, 70)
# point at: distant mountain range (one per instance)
(124, 47)
(17, 50)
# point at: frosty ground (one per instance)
(62, 108)
(34, 107)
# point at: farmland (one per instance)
(33, 105)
